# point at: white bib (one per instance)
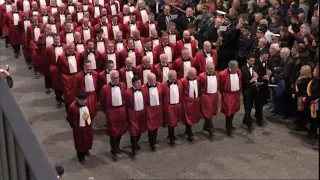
(54, 10)
(80, 48)
(100, 47)
(154, 96)
(25, 25)
(15, 18)
(174, 94)
(92, 58)
(129, 76)
(145, 75)
(168, 52)
(101, 2)
(138, 45)
(105, 31)
(69, 38)
(45, 19)
(165, 72)
(155, 42)
(89, 84)
(79, 16)
(150, 55)
(119, 46)
(116, 96)
(82, 122)
(133, 27)
(96, 11)
(113, 9)
(112, 57)
(188, 45)
(54, 28)
(35, 13)
(108, 79)
(85, 7)
(193, 89)
(86, 34)
(36, 32)
(62, 18)
(172, 38)
(234, 82)
(126, 19)
(131, 8)
(144, 15)
(57, 52)
(43, 3)
(151, 26)
(132, 55)
(186, 67)
(8, 8)
(49, 41)
(26, 5)
(115, 29)
(138, 101)
(71, 9)
(212, 84)
(72, 64)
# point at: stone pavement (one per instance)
(274, 151)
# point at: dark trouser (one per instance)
(248, 101)
(135, 142)
(47, 82)
(28, 60)
(259, 111)
(241, 60)
(207, 125)
(289, 103)
(67, 106)
(58, 94)
(189, 130)
(16, 48)
(314, 125)
(278, 106)
(301, 120)
(171, 133)
(152, 136)
(36, 68)
(81, 155)
(115, 143)
(6, 40)
(229, 120)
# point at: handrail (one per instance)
(33, 152)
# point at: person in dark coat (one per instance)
(246, 42)
(183, 20)
(274, 51)
(163, 18)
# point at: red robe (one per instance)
(158, 71)
(80, 30)
(121, 17)
(200, 58)
(159, 49)
(58, 27)
(153, 113)
(33, 44)
(104, 40)
(230, 101)
(172, 112)
(91, 96)
(53, 71)
(3, 25)
(110, 30)
(20, 5)
(75, 16)
(178, 66)
(25, 47)
(44, 61)
(127, 30)
(123, 42)
(137, 12)
(124, 54)
(209, 102)
(136, 119)
(139, 70)
(98, 58)
(180, 46)
(191, 106)
(92, 8)
(153, 44)
(144, 51)
(63, 36)
(57, 16)
(146, 30)
(67, 78)
(118, 64)
(82, 136)
(115, 115)
(102, 79)
(14, 33)
(108, 7)
(122, 74)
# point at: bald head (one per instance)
(192, 73)
(210, 67)
(151, 78)
(186, 34)
(114, 76)
(146, 61)
(207, 46)
(163, 58)
(172, 75)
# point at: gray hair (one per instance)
(275, 46)
(209, 64)
(113, 73)
(286, 51)
(172, 72)
(233, 63)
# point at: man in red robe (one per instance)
(132, 52)
(4, 8)
(208, 83)
(23, 26)
(191, 101)
(112, 101)
(186, 42)
(86, 30)
(53, 53)
(132, 25)
(80, 119)
(162, 69)
(165, 48)
(136, 113)
(230, 85)
(149, 25)
(172, 102)
(153, 95)
(86, 82)
(144, 69)
(207, 54)
(68, 64)
(100, 41)
(104, 76)
(147, 50)
(114, 26)
(112, 55)
(11, 20)
(183, 63)
(127, 73)
(97, 63)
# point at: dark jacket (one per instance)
(288, 71)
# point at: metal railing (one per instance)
(21, 155)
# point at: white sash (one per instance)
(126, 19)
(80, 48)
(168, 52)
(174, 94)
(172, 38)
(112, 57)
(108, 79)
(100, 47)
(188, 45)
(57, 52)
(150, 55)
(69, 38)
(193, 89)
(155, 42)
(86, 34)
(15, 18)
(62, 18)
(138, 45)
(43, 3)
(145, 75)
(132, 55)
(54, 10)
(92, 58)
(71, 9)
(165, 72)
(212, 84)
(132, 28)
(88, 81)
(36, 32)
(129, 76)
(234, 82)
(115, 29)
(45, 19)
(26, 5)
(113, 9)
(138, 101)
(116, 96)
(49, 41)
(154, 96)
(105, 31)
(8, 8)
(25, 25)
(186, 67)
(101, 2)
(96, 11)
(82, 122)
(79, 16)
(72, 64)
(85, 7)
(151, 26)
(119, 46)
(144, 15)
(54, 28)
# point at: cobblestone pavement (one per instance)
(274, 151)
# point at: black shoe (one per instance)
(82, 161)
(133, 153)
(232, 128)
(114, 156)
(16, 55)
(300, 129)
(138, 148)
(260, 123)
(88, 153)
(153, 148)
(6, 45)
(250, 129)
(48, 91)
(190, 139)
(229, 132)
(119, 151)
(172, 143)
